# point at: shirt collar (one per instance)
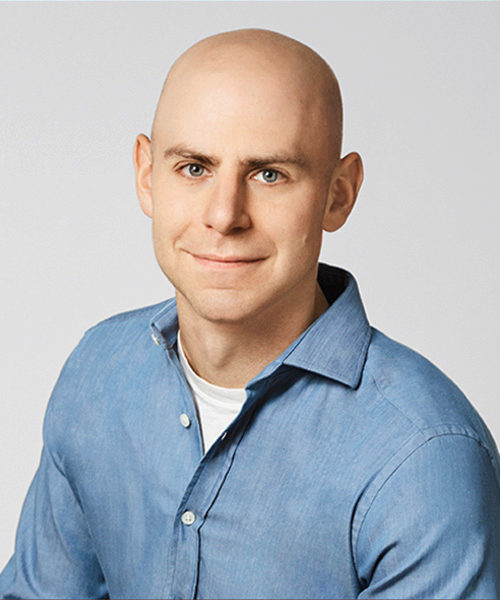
(334, 346)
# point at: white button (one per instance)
(188, 518)
(155, 339)
(185, 420)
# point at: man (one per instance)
(266, 442)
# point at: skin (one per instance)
(241, 178)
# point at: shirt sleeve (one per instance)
(433, 528)
(54, 554)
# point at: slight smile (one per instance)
(219, 262)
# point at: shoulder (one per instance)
(411, 385)
(107, 361)
(410, 404)
(125, 323)
(121, 335)
(419, 409)
(115, 340)
(405, 404)
(435, 451)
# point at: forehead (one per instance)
(257, 106)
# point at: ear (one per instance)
(344, 187)
(143, 162)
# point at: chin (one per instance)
(224, 306)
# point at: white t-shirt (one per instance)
(216, 406)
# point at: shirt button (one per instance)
(185, 420)
(188, 517)
(155, 339)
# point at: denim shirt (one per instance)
(355, 469)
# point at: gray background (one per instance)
(80, 80)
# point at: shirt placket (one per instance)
(199, 496)
(203, 488)
(191, 514)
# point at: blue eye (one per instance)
(194, 170)
(268, 175)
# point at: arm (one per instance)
(433, 528)
(54, 554)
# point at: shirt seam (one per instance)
(396, 468)
(387, 399)
(419, 431)
(464, 430)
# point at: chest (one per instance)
(267, 512)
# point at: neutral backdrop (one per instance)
(79, 80)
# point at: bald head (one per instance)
(245, 162)
(248, 56)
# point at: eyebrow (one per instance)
(251, 162)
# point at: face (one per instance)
(237, 186)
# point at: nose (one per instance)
(226, 206)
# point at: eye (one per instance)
(193, 170)
(268, 175)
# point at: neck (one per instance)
(231, 354)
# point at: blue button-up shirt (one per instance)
(355, 469)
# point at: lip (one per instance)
(224, 262)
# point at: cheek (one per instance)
(301, 229)
(170, 217)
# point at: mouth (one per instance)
(224, 262)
